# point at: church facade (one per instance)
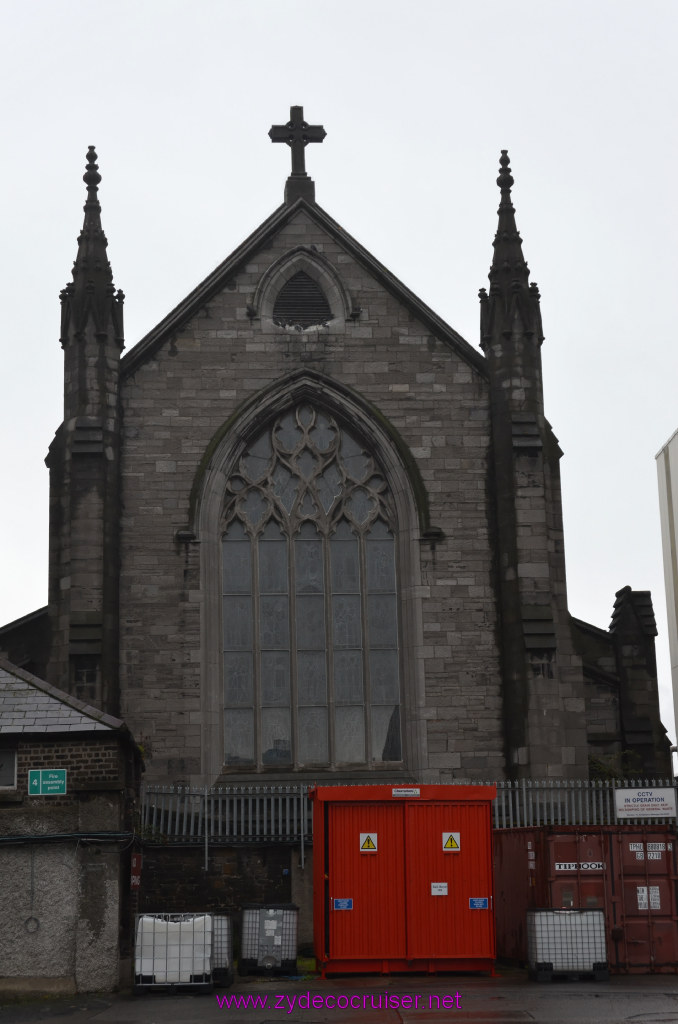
(304, 531)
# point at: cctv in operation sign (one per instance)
(645, 803)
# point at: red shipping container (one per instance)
(403, 878)
(629, 871)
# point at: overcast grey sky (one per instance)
(417, 99)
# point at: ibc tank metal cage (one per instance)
(193, 950)
(269, 939)
(222, 949)
(566, 942)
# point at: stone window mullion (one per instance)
(256, 641)
(294, 661)
(329, 647)
(365, 647)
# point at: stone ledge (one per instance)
(29, 986)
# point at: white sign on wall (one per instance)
(645, 803)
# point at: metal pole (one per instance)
(206, 828)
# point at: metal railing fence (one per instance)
(229, 815)
(532, 802)
(226, 814)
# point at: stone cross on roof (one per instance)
(297, 134)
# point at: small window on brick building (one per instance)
(85, 678)
(7, 768)
(301, 303)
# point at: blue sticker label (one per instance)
(345, 904)
(478, 903)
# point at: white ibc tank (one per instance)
(173, 949)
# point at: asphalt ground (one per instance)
(509, 998)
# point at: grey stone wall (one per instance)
(60, 918)
(177, 400)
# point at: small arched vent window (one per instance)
(301, 303)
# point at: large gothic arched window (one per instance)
(310, 622)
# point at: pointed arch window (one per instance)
(301, 302)
(310, 621)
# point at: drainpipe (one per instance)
(206, 827)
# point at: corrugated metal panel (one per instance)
(388, 895)
(643, 923)
(372, 879)
(577, 867)
(519, 885)
(629, 871)
(443, 885)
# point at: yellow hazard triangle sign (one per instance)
(451, 841)
(368, 842)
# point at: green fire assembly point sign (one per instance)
(47, 782)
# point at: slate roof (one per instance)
(24, 620)
(30, 705)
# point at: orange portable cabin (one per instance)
(402, 878)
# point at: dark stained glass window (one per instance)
(310, 622)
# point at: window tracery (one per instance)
(310, 621)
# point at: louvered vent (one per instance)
(301, 303)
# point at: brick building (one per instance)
(66, 833)
(304, 530)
